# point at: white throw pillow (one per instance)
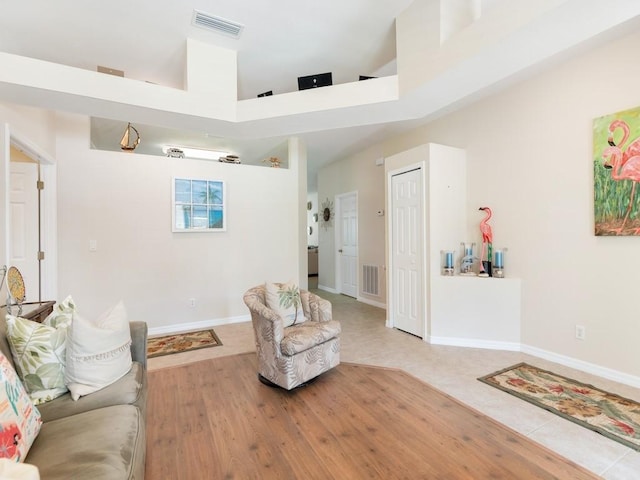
(10, 470)
(98, 351)
(284, 299)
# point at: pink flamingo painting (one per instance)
(487, 239)
(624, 166)
(633, 148)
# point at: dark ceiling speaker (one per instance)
(315, 81)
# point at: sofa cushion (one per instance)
(100, 444)
(284, 299)
(128, 390)
(20, 420)
(98, 351)
(299, 338)
(39, 356)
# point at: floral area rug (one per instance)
(606, 413)
(181, 342)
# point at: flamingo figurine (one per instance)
(487, 241)
(623, 167)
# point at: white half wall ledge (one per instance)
(195, 326)
(59, 87)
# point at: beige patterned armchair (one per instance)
(291, 356)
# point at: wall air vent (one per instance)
(216, 24)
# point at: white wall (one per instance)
(358, 173)
(529, 154)
(123, 201)
(312, 238)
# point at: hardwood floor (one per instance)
(213, 419)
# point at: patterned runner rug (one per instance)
(181, 342)
(606, 413)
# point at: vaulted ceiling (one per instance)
(283, 40)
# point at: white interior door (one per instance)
(23, 218)
(348, 250)
(407, 248)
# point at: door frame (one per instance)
(338, 243)
(390, 322)
(48, 206)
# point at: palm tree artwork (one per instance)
(289, 296)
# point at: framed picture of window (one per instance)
(198, 205)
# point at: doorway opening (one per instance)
(406, 250)
(29, 213)
(347, 244)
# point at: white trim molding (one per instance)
(328, 289)
(583, 366)
(195, 326)
(373, 303)
(474, 343)
(570, 362)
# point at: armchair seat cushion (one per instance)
(299, 338)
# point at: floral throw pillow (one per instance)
(61, 314)
(284, 299)
(39, 353)
(20, 420)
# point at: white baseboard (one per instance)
(195, 326)
(372, 302)
(570, 362)
(474, 343)
(327, 289)
(583, 366)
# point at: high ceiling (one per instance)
(280, 41)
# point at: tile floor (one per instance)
(454, 370)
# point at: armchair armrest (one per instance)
(139, 334)
(324, 308)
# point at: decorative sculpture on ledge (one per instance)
(497, 270)
(487, 243)
(467, 261)
(128, 143)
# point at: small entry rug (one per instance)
(181, 342)
(606, 413)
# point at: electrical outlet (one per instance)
(581, 332)
(192, 302)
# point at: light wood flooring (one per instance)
(213, 419)
(453, 370)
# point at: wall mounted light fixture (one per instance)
(192, 152)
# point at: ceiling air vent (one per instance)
(217, 24)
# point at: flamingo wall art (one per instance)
(616, 162)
